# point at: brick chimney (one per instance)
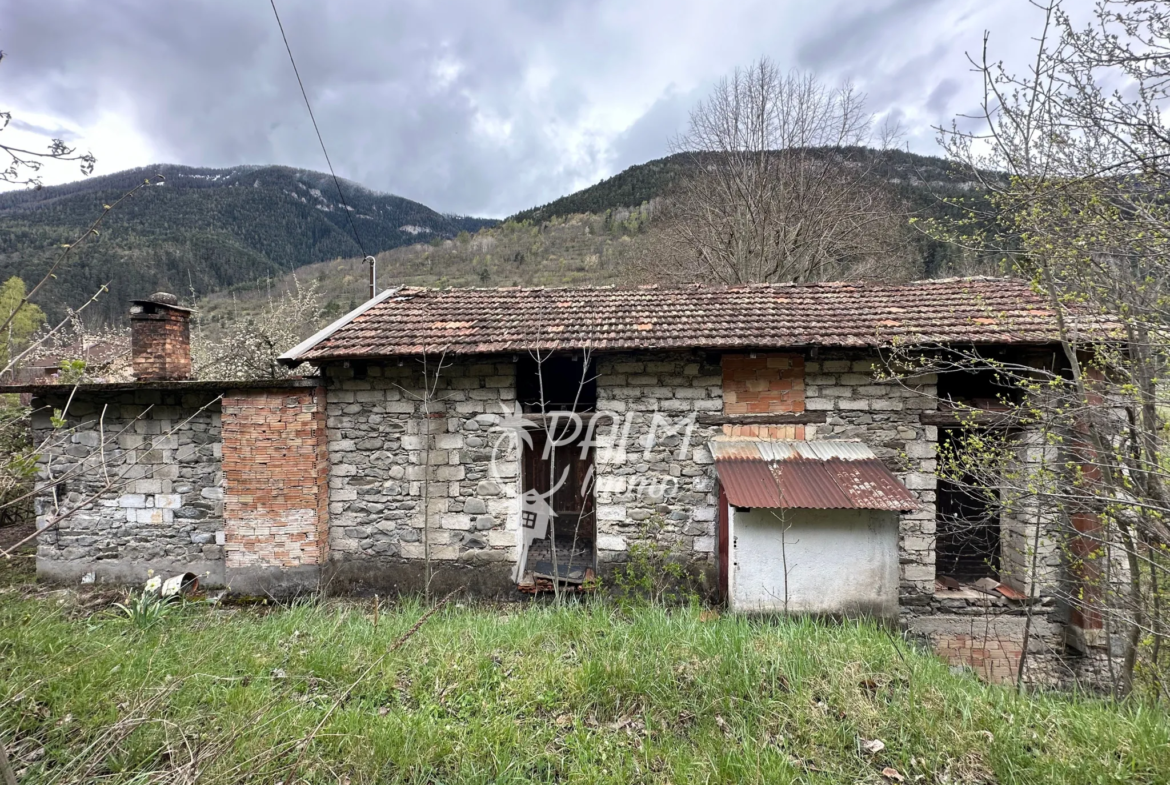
(160, 338)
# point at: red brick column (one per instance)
(160, 342)
(763, 384)
(276, 479)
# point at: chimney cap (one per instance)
(164, 299)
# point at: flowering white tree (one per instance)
(248, 347)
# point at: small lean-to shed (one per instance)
(808, 527)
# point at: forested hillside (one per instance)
(235, 235)
(926, 185)
(199, 229)
(574, 250)
(919, 178)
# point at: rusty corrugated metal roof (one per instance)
(412, 321)
(806, 485)
(816, 475)
(748, 483)
(870, 485)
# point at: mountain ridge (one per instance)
(207, 232)
(200, 229)
(910, 173)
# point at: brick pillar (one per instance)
(763, 384)
(160, 339)
(275, 470)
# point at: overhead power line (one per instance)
(336, 182)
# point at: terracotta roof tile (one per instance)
(414, 321)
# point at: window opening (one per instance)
(565, 385)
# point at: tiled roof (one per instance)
(412, 321)
(819, 475)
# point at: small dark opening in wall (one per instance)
(563, 382)
(967, 526)
(984, 387)
(986, 383)
(361, 370)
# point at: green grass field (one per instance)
(585, 693)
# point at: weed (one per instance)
(653, 571)
(145, 609)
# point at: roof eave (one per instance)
(293, 357)
(746, 346)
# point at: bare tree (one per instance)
(1079, 208)
(775, 194)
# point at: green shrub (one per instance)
(655, 571)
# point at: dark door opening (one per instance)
(558, 393)
(967, 526)
(562, 476)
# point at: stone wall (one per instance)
(886, 415)
(1028, 550)
(397, 437)
(275, 486)
(143, 471)
(389, 435)
(655, 473)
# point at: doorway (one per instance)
(558, 395)
(967, 526)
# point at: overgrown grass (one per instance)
(588, 693)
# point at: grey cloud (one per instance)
(941, 96)
(54, 132)
(211, 85)
(649, 137)
(471, 106)
(846, 32)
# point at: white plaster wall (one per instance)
(838, 561)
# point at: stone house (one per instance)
(505, 439)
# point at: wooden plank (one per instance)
(977, 419)
(776, 418)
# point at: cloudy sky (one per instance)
(478, 107)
